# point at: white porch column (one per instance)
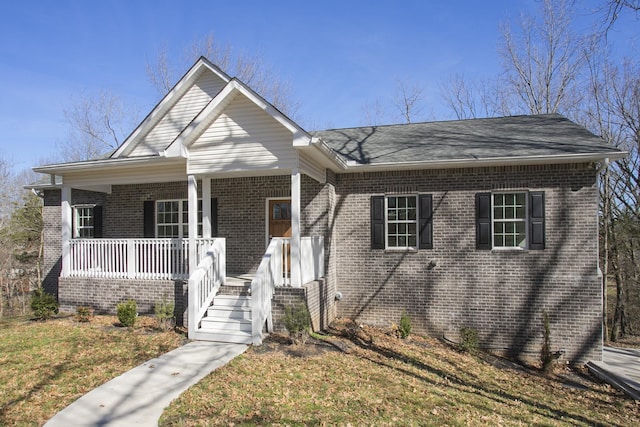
(193, 221)
(66, 231)
(296, 274)
(206, 208)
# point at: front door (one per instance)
(280, 225)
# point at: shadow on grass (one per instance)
(471, 384)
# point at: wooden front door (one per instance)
(280, 225)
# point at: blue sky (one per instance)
(337, 55)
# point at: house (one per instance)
(221, 203)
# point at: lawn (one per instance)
(45, 366)
(365, 376)
(353, 375)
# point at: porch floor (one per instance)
(239, 279)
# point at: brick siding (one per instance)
(500, 293)
(104, 294)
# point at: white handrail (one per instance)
(205, 282)
(270, 274)
(152, 259)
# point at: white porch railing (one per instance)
(312, 258)
(205, 282)
(151, 259)
(270, 274)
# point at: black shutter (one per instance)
(536, 220)
(149, 219)
(377, 222)
(214, 217)
(425, 213)
(97, 222)
(483, 221)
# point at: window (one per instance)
(87, 221)
(401, 222)
(172, 218)
(510, 220)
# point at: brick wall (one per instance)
(104, 294)
(500, 293)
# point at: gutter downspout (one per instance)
(603, 169)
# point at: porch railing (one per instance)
(205, 282)
(151, 259)
(311, 258)
(270, 274)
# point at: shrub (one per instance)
(298, 322)
(405, 325)
(469, 341)
(43, 305)
(84, 313)
(127, 313)
(164, 314)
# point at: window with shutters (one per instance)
(401, 222)
(87, 221)
(510, 220)
(172, 218)
(83, 222)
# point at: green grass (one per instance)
(45, 366)
(377, 379)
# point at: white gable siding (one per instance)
(128, 175)
(180, 115)
(310, 167)
(243, 137)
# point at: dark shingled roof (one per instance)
(474, 139)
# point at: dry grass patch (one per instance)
(45, 366)
(365, 376)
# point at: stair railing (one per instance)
(205, 282)
(268, 276)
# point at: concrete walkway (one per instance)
(620, 367)
(138, 397)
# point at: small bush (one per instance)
(469, 341)
(43, 305)
(127, 313)
(405, 325)
(164, 314)
(84, 313)
(298, 323)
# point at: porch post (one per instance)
(193, 221)
(66, 232)
(296, 276)
(206, 208)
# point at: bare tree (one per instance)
(373, 113)
(98, 123)
(613, 8)
(470, 100)
(408, 100)
(164, 72)
(543, 60)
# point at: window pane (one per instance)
(412, 241)
(393, 242)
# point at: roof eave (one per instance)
(62, 168)
(485, 162)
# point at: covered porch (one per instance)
(202, 263)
